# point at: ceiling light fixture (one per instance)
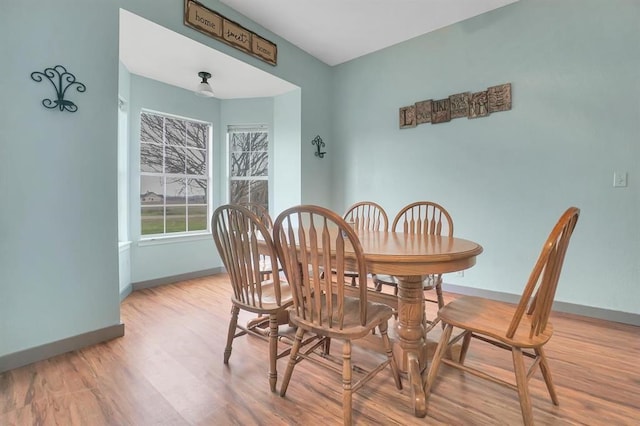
(204, 89)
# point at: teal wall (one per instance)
(58, 171)
(574, 66)
(286, 159)
(58, 222)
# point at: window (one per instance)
(249, 165)
(174, 174)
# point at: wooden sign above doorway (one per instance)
(217, 26)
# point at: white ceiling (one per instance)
(334, 31)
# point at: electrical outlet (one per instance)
(619, 179)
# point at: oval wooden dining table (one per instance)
(409, 257)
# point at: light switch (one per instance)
(619, 179)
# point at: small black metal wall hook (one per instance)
(61, 80)
(317, 141)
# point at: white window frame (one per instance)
(262, 128)
(180, 235)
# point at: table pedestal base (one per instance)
(410, 350)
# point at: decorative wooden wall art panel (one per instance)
(465, 104)
(478, 106)
(459, 105)
(441, 111)
(408, 116)
(499, 98)
(423, 112)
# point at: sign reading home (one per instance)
(217, 26)
(470, 105)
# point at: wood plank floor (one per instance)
(168, 370)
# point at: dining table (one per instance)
(409, 257)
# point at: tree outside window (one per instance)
(174, 174)
(249, 165)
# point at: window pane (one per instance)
(197, 218)
(151, 128)
(176, 131)
(259, 141)
(197, 191)
(239, 192)
(196, 162)
(240, 164)
(152, 220)
(176, 219)
(176, 190)
(240, 142)
(150, 157)
(259, 192)
(174, 159)
(151, 190)
(259, 164)
(197, 134)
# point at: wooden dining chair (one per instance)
(266, 262)
(241, 239)
(365, 215)
(262, 212)
(309, 241)
(422, 217)
(522, 329)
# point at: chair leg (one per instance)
(437, 358)
(346, 383)
(232, 331)
(546, 373)
(465, 346)
(388, 348)
(326, 348)
(523, 386)
(273, 350)
(292, 361)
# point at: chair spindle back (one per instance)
(262, 212)
(241, 239)
(367, 215)
(311, 240)
(423, 217)
(537, 297)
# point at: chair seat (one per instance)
(492, 318)
(428, 281)
(269, 303)
(352, 328)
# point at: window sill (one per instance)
(124, 245)
(173, 239)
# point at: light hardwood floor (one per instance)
(168, 370)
